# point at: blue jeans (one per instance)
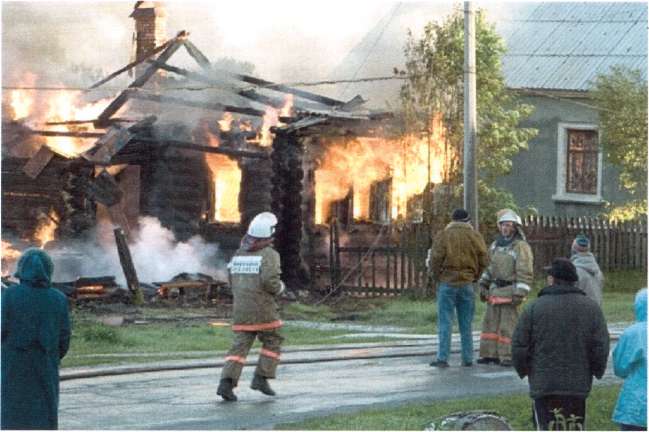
(450, 298)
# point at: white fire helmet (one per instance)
(262, 225)
(508, 215)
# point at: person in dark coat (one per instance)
(561, 342)
(35, 337)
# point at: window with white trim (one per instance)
(581, 174)
(579, 164)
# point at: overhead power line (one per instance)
(532, 92)
(207, 87)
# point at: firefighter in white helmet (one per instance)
(254, 274)
(504, 285)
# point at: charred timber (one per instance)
(67, 134)
(127, 266)
(236, 136)
(249, 94)
(131, 65)
(77, 122)
(208, 149)
(284, 89)
(202, 105)
(116, 104)
(286, 195)
(197, 55)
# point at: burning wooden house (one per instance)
(256, 146)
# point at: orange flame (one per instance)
(65, 106)
(37, 108)
(9, 257)
(359, 163)
(22, 101)
(227, 184)
(225, 172)
(45, 231)
(226, 122)
(8, 251)
(245, 125)
(271, 118)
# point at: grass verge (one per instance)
(516, 408)
(93, 343)
(174, 332)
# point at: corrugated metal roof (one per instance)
(634, 42)
(564, 46)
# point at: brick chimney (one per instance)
(150, 28)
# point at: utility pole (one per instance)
(470, 117)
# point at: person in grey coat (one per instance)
(591, 278)
(561, 342)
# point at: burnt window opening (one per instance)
(380, 201)
(582, 161)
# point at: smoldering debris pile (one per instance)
(184, 289)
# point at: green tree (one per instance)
(621, 97)
(434, 67)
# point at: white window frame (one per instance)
(562, 161)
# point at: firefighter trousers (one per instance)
(271, 342)
(497, 329)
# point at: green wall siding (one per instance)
(533, 179)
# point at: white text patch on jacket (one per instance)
(245, 265)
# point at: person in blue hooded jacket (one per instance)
(630, 363)
(35, 337)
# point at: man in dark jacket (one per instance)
(561, 342)
(35, 337)
(457, 258)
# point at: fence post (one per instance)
(373, 270)
(337, 253)
(332, 265)
(607, 243)
(643, 244)
(402, 248)
(360, 271)
(637, 241)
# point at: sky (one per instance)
(65, 42)
(284, 39)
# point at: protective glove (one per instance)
(516, 300)
(484, 293)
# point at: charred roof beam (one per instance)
(249, 94)
(119, 101)
(212, 106)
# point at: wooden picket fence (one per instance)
(394, 265)
(617, 246)
(389, 262)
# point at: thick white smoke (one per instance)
(156, 254)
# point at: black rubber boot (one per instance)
(261, 383)
(225, 390)
(488, 360)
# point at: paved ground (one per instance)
(311, 383)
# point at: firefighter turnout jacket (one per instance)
(509, 273)
(255, 281)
